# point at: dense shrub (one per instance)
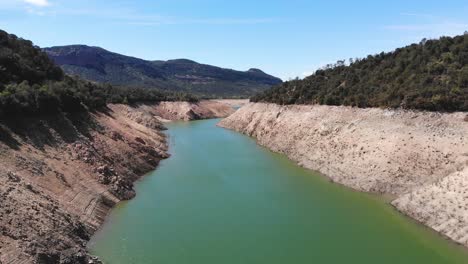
(431, 75)
(21, 61)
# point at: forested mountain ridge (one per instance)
(100, 65)
(21, 61)
(431, 75)
(32, 84)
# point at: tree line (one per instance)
(431, 75)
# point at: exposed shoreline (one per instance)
(63, 174)
(408, 155)
(71, 176)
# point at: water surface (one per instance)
(221, 199)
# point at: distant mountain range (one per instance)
(99, 65)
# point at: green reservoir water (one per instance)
(221, 199)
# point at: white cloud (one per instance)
(430, 25)
(123, 15)
(423, 27)
(34, 7)
(40, 3)
(419, 15)
(432, 30)
(141, 21)
(33, 11)
(133, 17)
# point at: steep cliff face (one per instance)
(420, 158)
(62, 174)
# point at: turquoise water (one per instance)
(221, 198)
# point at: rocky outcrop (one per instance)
(60, 176)
(419, 158)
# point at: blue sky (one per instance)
(284, 38)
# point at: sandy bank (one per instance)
(419, 157)
(236, 103)
(62, 174)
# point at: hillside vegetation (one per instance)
(99, 65)
(431, 75)
(31, 84)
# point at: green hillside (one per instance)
(431, 75)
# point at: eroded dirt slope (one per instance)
(60, 175)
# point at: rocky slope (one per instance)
(419, 158)
(234, 103)
(189, 111)
(62, 174)
(100, 65)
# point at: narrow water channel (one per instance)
(221, 198)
